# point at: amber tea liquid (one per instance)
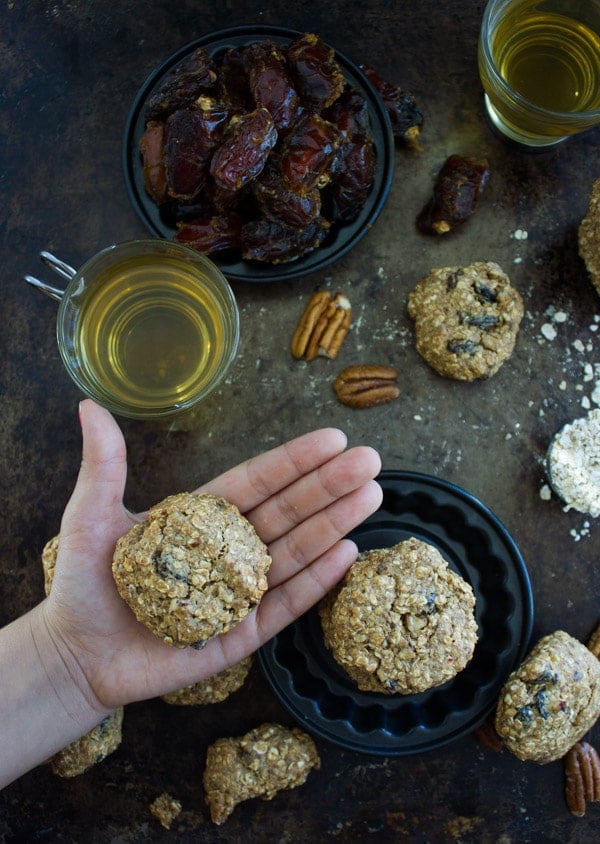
(148, 334)
(548, 52)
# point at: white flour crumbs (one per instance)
(574, 464)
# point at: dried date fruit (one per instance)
(244, 151)
(269, 137)
(183, 85)
(217, 234)
(404, 113)
(316, 72)
(456, 194)
(350, 114)
(233, 83)
(267, 240)
(308, 153)
(191, 136)
(279, 202)
(270, 84)
(152, 144)
(353, 183)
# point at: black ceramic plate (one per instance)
(343, 237)
(316, 690)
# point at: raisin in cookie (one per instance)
(259, 764)
(589, 237)
(466, 319)
(192, 570)
(104, 739)
(401, 621)
(213, 689)
(551, 700)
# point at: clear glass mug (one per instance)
(147, 328)
(539, 62)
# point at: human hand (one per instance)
(302, 498)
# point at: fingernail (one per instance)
(80, 413)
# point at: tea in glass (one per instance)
(539, 62)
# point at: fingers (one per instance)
(98, 494)
(313, 492)
(258, 478)
(296, 550)
(284, 604)
(278, 608)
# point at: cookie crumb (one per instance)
(165, 809)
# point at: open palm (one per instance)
(302, 497)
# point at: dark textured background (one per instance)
(70, 71)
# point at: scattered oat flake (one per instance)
(577, 344)
(560, 316)
(562, 385)
(545, 492)
(548, 331)
(585, 403)
(520, 234)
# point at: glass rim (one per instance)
(567, 117)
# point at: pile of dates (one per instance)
(259, 153)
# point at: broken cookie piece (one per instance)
(213, 689)
(266, 760)
(192, 570)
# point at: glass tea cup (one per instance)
(147, 328)
(539, 62)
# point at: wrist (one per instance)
(43, 696)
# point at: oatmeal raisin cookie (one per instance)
(551, 700)
(466, 319)
(401, 621)
(192, 570)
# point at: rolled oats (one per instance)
(259, 764)
(551, 700)
(195, 568)
(401, 621)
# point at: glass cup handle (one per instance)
(60, 267)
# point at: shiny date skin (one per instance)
(456, 193)
(270, 83)
(315, 70)
(267, 240)
(308, 153)
(244, 151)
(192, 134)
(183, 85)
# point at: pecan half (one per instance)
(593, 643)
(366, 385)
(323, 326)
(582, 777)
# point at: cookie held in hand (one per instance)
(192, 570)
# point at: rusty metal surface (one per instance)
(70, 73)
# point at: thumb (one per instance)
(97, 500)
